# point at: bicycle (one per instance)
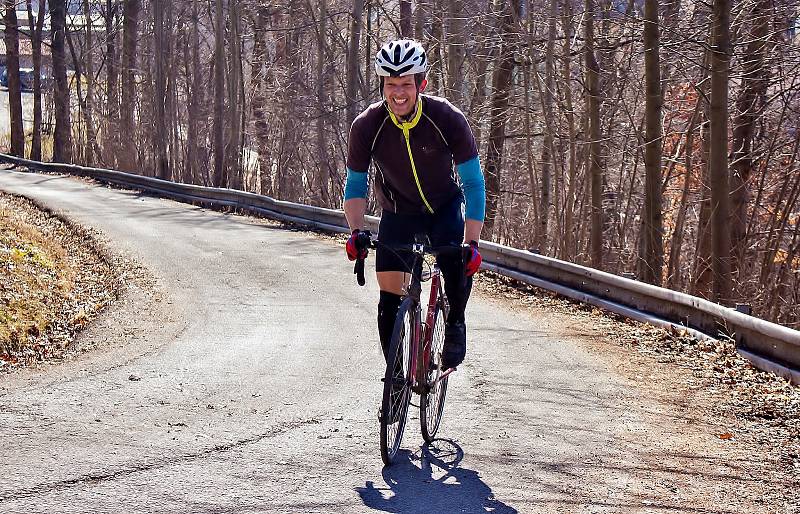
(413, 363)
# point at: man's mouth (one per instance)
(400, 101)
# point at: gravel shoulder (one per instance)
(713, 392)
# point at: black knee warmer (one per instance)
(387, 312)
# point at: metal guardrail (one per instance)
(768, 345)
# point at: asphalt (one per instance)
(248, 381)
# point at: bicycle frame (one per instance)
(421, 341)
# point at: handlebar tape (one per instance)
(359, 271)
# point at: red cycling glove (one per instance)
(353, 252)
(474, 260)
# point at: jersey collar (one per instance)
(407, 125)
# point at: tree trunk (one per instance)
(36, 47)
(218, 179)
(233, 150)
(91, 149)
(498, 116)
(548, 157)
(160, 56)
(676, 244)
(718, 158)
(652, 260)
(323, 168)
(261, 75)
(749, 105)
(62, 139)
(11, 36)
(593, 114)
(455, 51)
(406, 25)
(130, 37)
(352, 96)
(192, 169)
(111, 138)
(568, 249)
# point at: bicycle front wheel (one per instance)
(397, 383)
(431, 403)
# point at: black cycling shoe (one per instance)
(455, 345)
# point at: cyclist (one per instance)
(414, 140)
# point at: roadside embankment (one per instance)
(54, 278)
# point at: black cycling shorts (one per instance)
(444, 227)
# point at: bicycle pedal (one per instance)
(396, 381)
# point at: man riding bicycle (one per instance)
(414, 140)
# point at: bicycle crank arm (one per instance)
(443, 375)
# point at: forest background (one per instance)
(657, 140)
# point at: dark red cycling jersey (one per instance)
(414, 164)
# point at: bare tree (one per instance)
(592, 92)
(501, 81)
(161, 45)
(718, 157)
(323, 117)
(11, 36)
(406, 28)
(36, 28)
(351, 96)
(218, 179)
(652, 260)
(62, 141)
(111, 139)
(130, 38)
(455, 35)
(749, 104)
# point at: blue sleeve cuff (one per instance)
(356, 185)
(474, 188)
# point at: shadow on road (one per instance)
(431, 480)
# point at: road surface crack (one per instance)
(96, 478)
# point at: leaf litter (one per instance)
(760, 405)
(55, 278)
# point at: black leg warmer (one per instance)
(457, 287)
(387, 312)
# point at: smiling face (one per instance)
(401, 94)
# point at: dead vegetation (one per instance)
(708, 376)
(54, 279)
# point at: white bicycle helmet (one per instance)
(400, 58)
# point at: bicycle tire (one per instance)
(397, 389)
(431, 404)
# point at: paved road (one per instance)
(258, 388)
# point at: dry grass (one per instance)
(34, 274)
(52, 282)
(47, 145)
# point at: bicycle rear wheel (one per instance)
(431, 403)
(397, 383)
